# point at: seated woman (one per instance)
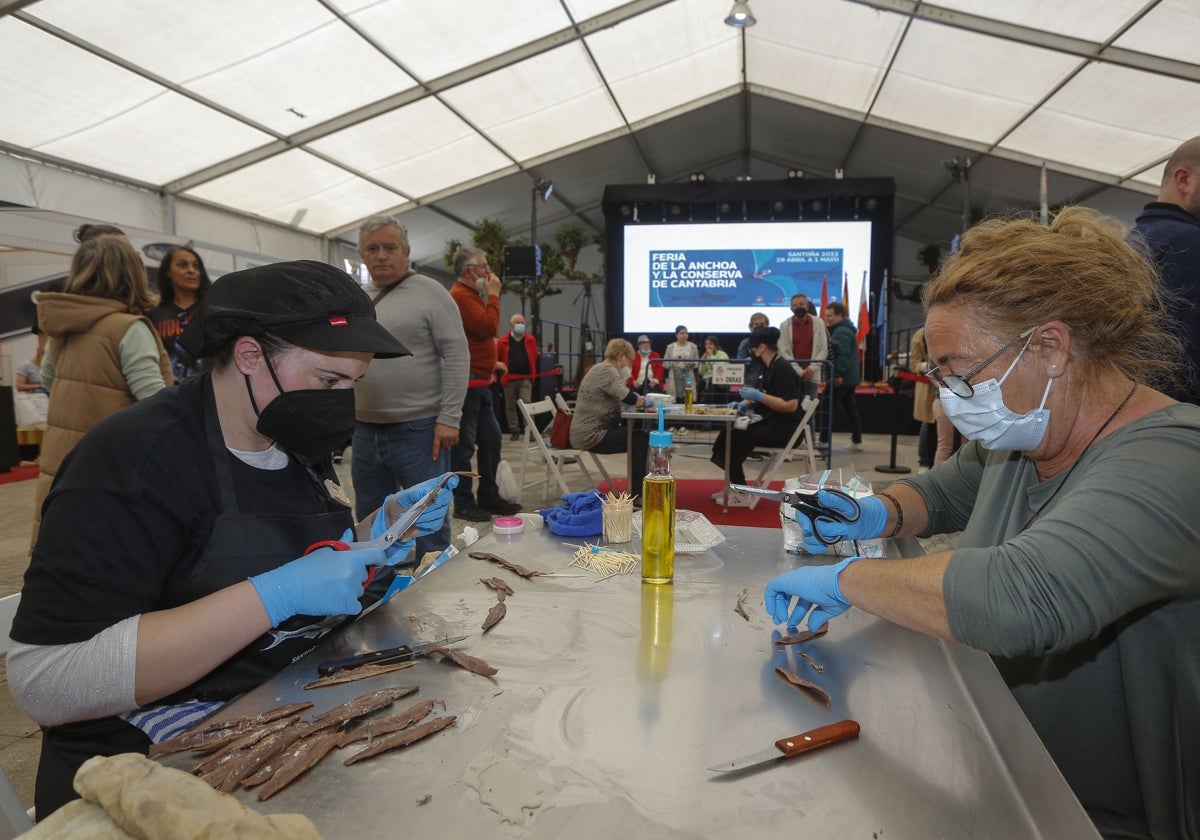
(775, 397)
(712, 353)
(596, 426)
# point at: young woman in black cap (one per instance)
(170, 574)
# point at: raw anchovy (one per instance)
(395, 723)
(494, 615)
(803, 635)
(804, 685)
(267, 769)
(401, 739)
(740, 608)
(208, 733)
(499, 586)
(472, 663)
(512, 567)
(302, 756)
(258, 755)
(362, 672)
(371, 702)
(244, 742)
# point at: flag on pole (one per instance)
(881, 320)
(846, 293)
(824, 292)
(864, 318)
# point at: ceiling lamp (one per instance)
(740, 15)
(543, 188)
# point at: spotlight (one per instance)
(543, 188)
(740, 15)
(696, 177)
(795, 173)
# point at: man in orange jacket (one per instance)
(516, 357)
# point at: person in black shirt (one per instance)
(182, 284)
(173, 570)
(775, 397)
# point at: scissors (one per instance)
(398, 530)
(807, 504)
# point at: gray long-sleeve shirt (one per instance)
(433, 380)
(1093, 610)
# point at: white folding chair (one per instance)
(555, 459)
(800, 442)
(561, 402)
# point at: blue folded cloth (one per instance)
(580, 515)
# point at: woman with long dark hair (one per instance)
(182, 282)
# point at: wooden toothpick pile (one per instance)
(604, 561)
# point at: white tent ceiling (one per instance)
(317, 113)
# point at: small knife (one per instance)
(791, 747)
(382, 657)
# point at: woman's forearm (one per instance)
(178, 646)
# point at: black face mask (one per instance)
(311, 424)
(800, 311)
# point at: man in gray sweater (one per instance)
(408, 409)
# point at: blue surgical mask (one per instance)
(518, 329)
(984, 416)
(644, 352)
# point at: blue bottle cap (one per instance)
(661, 437)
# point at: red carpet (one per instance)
(18, 474)
(696, 494)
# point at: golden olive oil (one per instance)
(658, 529)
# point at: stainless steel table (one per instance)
(613, 697)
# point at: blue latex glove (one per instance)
(326, 582)
(736, 404)
(870, 524)
(814, 586)
(431, 519)
(752, 394)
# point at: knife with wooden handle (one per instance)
(786, 748)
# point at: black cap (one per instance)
(307, 303)
(764, 335)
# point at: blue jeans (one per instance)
(387, 457)
(479, 428)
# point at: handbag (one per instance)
(560, 431)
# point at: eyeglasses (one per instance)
(958, 385)
(484, 266)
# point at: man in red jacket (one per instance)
(516, 357)
(476, 291)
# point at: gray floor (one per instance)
(20, 737)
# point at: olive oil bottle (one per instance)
(658, 510)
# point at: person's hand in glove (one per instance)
(815, 586)
(325, 582)
(752, 394)
(428, 522)
(736, 404)
(872, 519)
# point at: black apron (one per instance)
(241, 545)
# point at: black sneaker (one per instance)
(473, 513)
(500, 507)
